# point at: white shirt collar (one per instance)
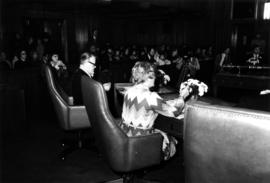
(82, 67)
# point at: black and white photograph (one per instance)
(134, 91)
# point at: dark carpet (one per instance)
(30, 155)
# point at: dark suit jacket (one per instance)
(76, 86)
(77, 89)
(21, 64)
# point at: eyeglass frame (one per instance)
(92, 64)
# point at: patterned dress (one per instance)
(140, 109)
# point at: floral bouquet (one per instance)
(194, 87)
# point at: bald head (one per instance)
(87, 57)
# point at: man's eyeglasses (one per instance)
(92, 63)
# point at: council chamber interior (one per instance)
(46, 136)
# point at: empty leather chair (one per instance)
(226, 145)
(70, 117)
(124, 154)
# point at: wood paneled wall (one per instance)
(199, 28)
(1, 24)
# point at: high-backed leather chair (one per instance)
(226, 145)
(124, 154)
(70, 117)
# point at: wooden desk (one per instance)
(240, 81)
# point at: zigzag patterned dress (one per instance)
(140, 109)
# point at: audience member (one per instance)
(59, 69)
(222, 59)
(21, 61)
(255, 58)
(56, 63)
(151, 55)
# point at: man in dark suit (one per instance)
(87, 67)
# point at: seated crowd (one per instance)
(171, 59)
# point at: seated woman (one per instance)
(56, 63)
(20, 61)
(59, 68)
(141, 107)
(59, 71)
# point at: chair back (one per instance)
(69, 117)
(226, 144)
(111, 139)
(123, 153)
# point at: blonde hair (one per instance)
(141, 71)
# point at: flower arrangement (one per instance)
(194, 87)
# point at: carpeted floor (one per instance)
(30, 156)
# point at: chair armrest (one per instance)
(70, 100)
(67, 98)
(145, 151)
(78, 117)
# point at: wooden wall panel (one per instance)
(177, 28)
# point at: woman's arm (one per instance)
(167, 109)
(60, 63)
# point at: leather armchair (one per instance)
(226, 144)
(124, 154)
(70, 117)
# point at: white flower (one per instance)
(167, 78)
(161, 72)
(190, 85)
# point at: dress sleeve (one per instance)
(160, 106)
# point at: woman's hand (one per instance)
(179, 102)
(184, 93)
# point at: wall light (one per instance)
(266, 11)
